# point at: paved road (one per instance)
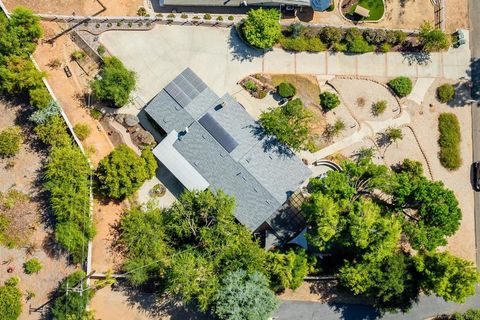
(428, 306)
(475, 74)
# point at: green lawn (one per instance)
(376, 8)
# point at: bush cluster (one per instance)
(286, 90)
(402, 86)
(449, 141)
(446, 93)
(10, 141)
(299, 38)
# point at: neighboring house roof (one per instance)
(234, 3)
(320, 5)
(225, 147)
(361, 11)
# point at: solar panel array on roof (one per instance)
(218, 132)
(185, 87)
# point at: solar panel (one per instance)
(185, 87)
(218, 132)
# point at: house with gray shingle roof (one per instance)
(212, 142)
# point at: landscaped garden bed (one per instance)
(375, 9)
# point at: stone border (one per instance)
(362, 22)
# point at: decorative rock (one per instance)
(120, 118)
(131, 120)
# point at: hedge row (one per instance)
(449, 141)
(300, 38)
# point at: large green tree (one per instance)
(71, 304)
(287, 269)
(123, 172)
(262, 28)
(20, 33)
(18, 74)
(447, 276)
(245, 296)
(290, 123)
(115, 83)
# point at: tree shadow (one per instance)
(355, 311)
(463, 93)
(419, 57)
(239, 49)
(271, 143)
(148, 300)
(475, 76)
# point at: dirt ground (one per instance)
(456, 15)
(79, 7)
(67, 91)
(23, 177)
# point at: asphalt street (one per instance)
(474, 11)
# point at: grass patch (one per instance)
(376, 8)
(449, 141)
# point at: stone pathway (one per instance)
(420, 89)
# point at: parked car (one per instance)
(476, 175)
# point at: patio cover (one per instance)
(361, 11)
(166, 153)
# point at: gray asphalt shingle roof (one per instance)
(261, 180)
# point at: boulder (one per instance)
(131, 120)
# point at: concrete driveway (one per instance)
(219, 57)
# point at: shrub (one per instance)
(130, 24)
(230, 18)
(184, 16)
(302, 43)
(295, 29)
(379, 107)
(39, 97)
(286, 90)
(331, 7)
(78, 55)
(55, 63)
(375, 36)
(219, 18)
(449, 141)
(10, 141)
(207, 16)
(32, 266)
(385, 47)
(339, 47)
(329, 100)
(331, 35)
(171, 16)
(334, 130)
(101, 50)
(359, 45)
(433, 39)
(116, 83)
(446, 92)
(142, 12)
(402, 86)
(251, 86)
(262, 28)
(10, 300)
(96, 114)
(82, 130)
(119, 24)
(97, 25)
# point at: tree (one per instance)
(20, 33)
(446, 92)
(289, 123)
(68, 183)
(262, 28)
(379, 107)
(245, 296)
(10, 140)
(433, 39)
(470, 314)
(447, 276)
(323, 216)
(122, 172)
(72, 304)
(10, 300)
(40, 97)
(411, 167)
(32, 266)
(402, 86)
(18, 74)
(54, 132)
(43, 115)
(437, 214)
(329, 100)
(287, 270)
(115, 83)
